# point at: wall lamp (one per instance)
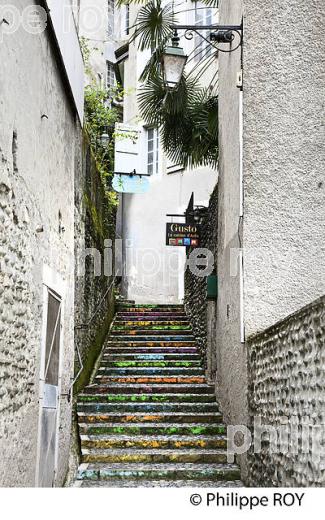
(174, 59)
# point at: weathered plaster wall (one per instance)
(284, 158)
(202, 313)
(94, 292)
(287, 386)
(36, 182)
(231, 382)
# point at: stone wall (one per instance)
(200, 311)
(38, 143)
(287, 384)
(94, 291)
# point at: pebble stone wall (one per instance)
(196, 305)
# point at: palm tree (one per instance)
(187, 116)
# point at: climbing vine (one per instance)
(101, 113)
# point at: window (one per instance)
(153, 151)
(110, 13)
(110, 78)
(203, 16)
(127, 19)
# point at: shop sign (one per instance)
(182, 234)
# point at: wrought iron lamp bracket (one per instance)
(224, 34)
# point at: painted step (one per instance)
(131, 408)
(171, 417)
(144, 308)
(212, 484)
(121, 349)
(159, 472)
(168, 442)
(150, 371)
(148, 338)
(149, 389)
(140, 321)
(155, 429)
(101, 379)
(151, 357)
(149, 398)
(125, 315)
(150, 333)
(151, 364)
(154, 456)
(136, 327)
(151, 305)
(152, 343)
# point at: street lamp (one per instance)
(104, 138)
(173, 63)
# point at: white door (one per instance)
(49, 389)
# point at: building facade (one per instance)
(271, 216)
(154, 272)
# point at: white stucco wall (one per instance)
(231, 377)
(37, 149)
(284, 159)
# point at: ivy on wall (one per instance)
(101, 114)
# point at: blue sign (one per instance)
(130, 184)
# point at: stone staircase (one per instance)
(149, 418)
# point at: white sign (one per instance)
(128, 143)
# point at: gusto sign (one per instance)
(182, 234)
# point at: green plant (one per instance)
(187, 116)
(101, 114)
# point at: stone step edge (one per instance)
(213, 484)
(180, 395)
(143, 414)
(151, 451)
(153, 385)
(155, 425)
(169, 467)
(182, 438)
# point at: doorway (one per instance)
(50, 379)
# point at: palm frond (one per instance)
(153, 24)
(187, 118)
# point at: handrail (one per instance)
(83, 327)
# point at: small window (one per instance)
(203, 16)
(110, 13)
(127, 19)
(110, 79)
(153, 151)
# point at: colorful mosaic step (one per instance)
(158, 442)
(178, 331)
(147, 407)
(149, 398)
(143, 389)
(149, 471)
(116, 483)
(149, 418)
(155, 429)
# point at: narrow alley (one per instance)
(162, 274)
